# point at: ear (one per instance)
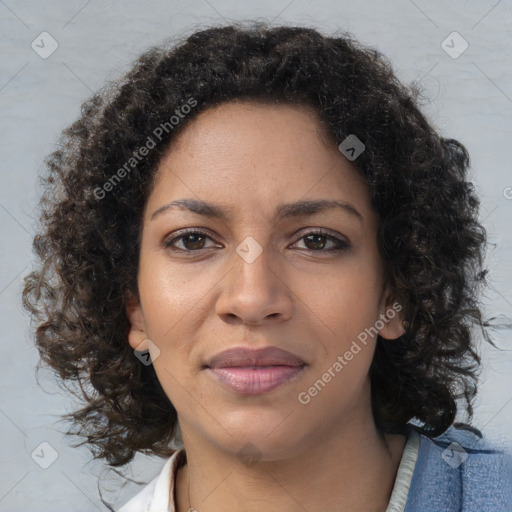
(390, 319)
(137, 336)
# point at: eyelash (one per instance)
(341, 245)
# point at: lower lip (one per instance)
(255, 380)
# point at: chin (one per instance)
(271, 435)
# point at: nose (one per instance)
(255, 293)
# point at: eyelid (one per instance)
(322, 231)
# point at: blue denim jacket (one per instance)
(460, 472)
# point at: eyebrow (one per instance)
(285, 211)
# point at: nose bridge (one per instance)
(254, 291)
(253, 269)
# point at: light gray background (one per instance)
(468, 98)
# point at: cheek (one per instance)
(174, 336)
(168, 295)
(347, 299)
(348, 309)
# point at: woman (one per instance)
(255, 242)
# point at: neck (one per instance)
(354, 469)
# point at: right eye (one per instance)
(191, 240)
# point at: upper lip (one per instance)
(241, 356)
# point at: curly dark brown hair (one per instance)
(88, 243)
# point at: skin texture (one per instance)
(251, 158)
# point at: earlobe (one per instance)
(393, 328)
(392, 322)
(137, 337)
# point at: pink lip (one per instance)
(241, 356)
(255, 380)
(254, 371)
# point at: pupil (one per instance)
(318, 241)
(196, 240)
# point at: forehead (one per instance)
(258, 152)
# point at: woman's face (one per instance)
(286, 257)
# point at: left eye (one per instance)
(318, 240)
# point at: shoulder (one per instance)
(460, 471)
